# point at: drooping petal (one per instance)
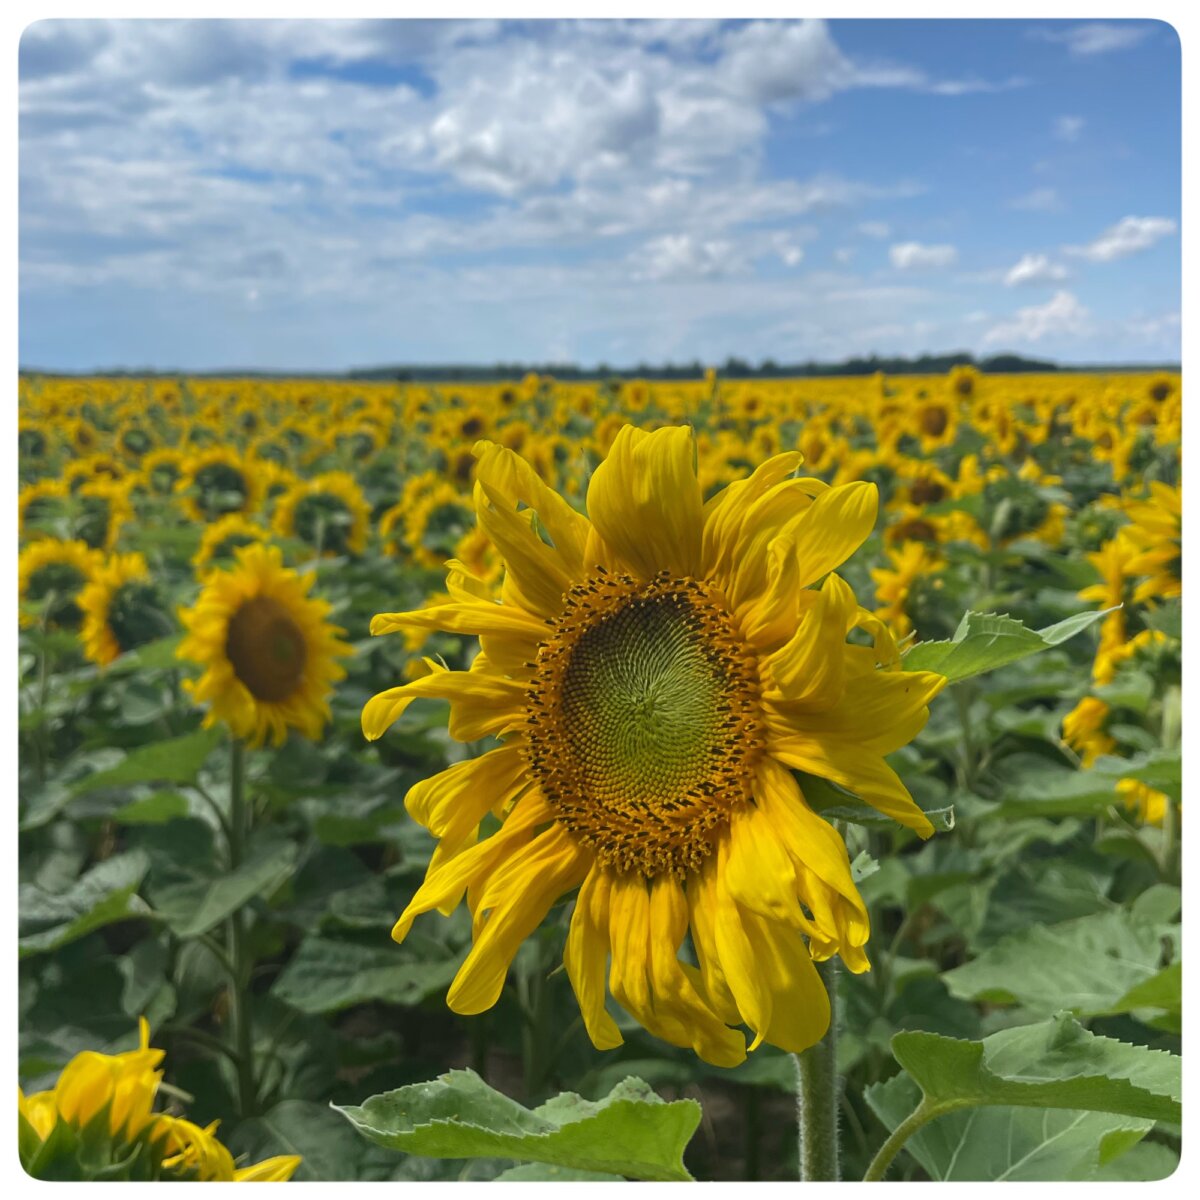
(514, 900)
(586, 959)
(465, 869)
(644, 500)
(860, 771)
(455, 800)
(647, 923)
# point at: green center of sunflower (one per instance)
(137, 615)
(220, 489)
(59, 583)
(643, 720)
(324, 522)
(266, 649)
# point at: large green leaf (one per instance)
(173, 760)
(1085, 965)
(631, 1132)
(194, 906)
(103, 895)
(984, 641)
(325, 976)
(1048, 1101)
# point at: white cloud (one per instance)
(875, 229)
(1068, 128)
(1096, 37)
(1034, 268)
(681, 256)
(1061, 315)
(1043, 199)
(912, 256)
(1130, 235)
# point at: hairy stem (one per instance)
(240, 1016)
(817, 1087)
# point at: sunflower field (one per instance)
(556, 781)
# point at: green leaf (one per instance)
(172, 760)
(196, 905)
(1085, 965)
(631, 1132)
(156, 809)
(1046, 1101)
(985, 641)
(329, 1147)
(326, 976)
(1164, 990)
(103, 895)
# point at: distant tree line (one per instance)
(732, 368)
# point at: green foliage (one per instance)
(631, 1132)
(984, 641)
(1045, 1101)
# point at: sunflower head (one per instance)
(55, 574)
(123, 608)
(97, 1122)
(655, 671)
(268, 651)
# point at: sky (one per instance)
(324, 195)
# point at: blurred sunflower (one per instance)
(222, 538)
(97, 1122)
(122, 609)
(55, 573)
(269, 652)
(217, 482)
(328, 513)
(654, 673)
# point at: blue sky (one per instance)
(323, 195)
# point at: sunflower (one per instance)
(222, 538)
(98, 1122)
(1146, 803)
(42, 506)
(328, 513)
(900, 587)
(55, 573)
(268, 651)
(122, 609)
(217, 482)
(654, 674)
(1083, 730)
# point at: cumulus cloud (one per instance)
(916, 256)
(681, 256)
(1061, 315)
(1034, 268)
(1130, 235)
(1096, 37)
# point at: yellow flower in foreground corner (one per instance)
(270, 655)
(653, 673)
(104, 1104)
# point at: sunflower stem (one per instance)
(817, 1089)
(240, 1017)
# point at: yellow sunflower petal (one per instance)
(810, 668)
(480, 704)
(586, 959)
(862, 772)
(644, 500)
(515, 899)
